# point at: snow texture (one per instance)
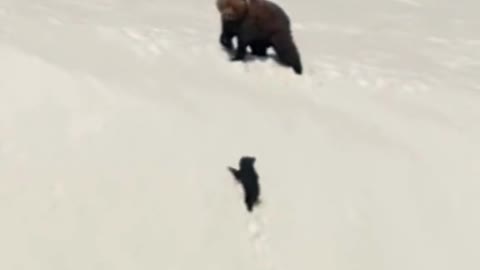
(118, 120)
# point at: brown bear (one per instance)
(259, 24)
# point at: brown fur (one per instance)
(258, 24)
(231, 9)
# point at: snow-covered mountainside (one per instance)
(118, 120)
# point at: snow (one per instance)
(118, 120)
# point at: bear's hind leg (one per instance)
(287, 51)
(259, 48)
(249, 202)
(251, 197)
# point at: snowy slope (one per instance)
(118, 119)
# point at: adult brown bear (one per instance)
(258, 24)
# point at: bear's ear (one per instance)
(220, 4)
(232, 9)
(248, 159)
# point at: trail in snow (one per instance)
(257, 227)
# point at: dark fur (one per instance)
(265, 24)
(230, 30)
(248, 178)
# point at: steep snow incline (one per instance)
(118, 120)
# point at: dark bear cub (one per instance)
(259, 24)
(248, 178)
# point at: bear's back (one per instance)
(269, 16)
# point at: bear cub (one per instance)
(248, 178)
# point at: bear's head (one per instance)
(232, 10)
(247, 162)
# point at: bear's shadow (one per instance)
(249, 57)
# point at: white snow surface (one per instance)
(119, 118)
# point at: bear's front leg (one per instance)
(240, 52)
(259, 48)
(226, 41)
(245, 37)
(229, 30)
(226, 34)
